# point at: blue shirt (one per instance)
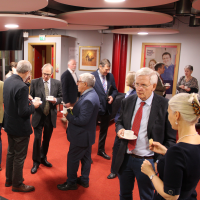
(169, 73)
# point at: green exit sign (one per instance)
(42, 37)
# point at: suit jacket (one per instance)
(81, 130)
(160, 88)
(17, 109)
(1, 102)
(69, 87)
(158, 127)
(37, 90)
(104, 106)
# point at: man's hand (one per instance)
(54, 100)
(67, 105)
(36, 104)
(167, 87)
(120, 133)
(110, 99)
(30, 97)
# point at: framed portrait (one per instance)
(89, 58)
(167, 53)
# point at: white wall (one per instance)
(189, 37)
(77, 38)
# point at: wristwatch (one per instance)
(151, 177)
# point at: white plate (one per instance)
(167, 85)
(34, 101)
(128, 138)
(49, 99)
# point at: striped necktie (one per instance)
(136, 126)
(46, 107)
(104, 83)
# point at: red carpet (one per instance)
(46, 179)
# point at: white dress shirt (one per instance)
(142, 144)
(101, 78)
(73, 75)
(49, 84)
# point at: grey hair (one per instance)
(88, 78)
(23, 66)
(145, 71)
(48, 64)
(190, 67)
(131, 78)
(105, 62)
(182, 103)
(70, 61)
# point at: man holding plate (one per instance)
(145, 113)
(44, 118)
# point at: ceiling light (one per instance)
(11, 26)
(142, 33)
(114, 1)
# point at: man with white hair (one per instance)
(145, 113)
(81, 133)
(17, 125)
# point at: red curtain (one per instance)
(119, 60)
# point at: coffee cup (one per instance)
(167, 84)
(51, 98)
(186, 87)
(37, 99)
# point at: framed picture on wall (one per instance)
(89, 58)
(167, 53)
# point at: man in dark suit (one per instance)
(81, 133)
(104, 80)
(44, 118)
(160, 87)
(146, 114)
(69, 84)
(17, 125)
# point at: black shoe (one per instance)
(103, 154)
(91, 161)
(66, 186)
(85, 185)
(34, 168)
(46, 163)
(111, 175)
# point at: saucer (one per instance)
(49, 99)
(34, 101)
(129, 135)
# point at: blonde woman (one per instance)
(152, 64)
(179, 171)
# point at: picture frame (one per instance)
(89, 58)
(167, 53)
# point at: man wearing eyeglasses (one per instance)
(145, 113)
(44, 118)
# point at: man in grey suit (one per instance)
(160, 87)
(81, 133)
(17, 125)
(44, 118)
(146, 114)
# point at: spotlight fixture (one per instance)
(114, 1)
(142, 33)
(11, 26)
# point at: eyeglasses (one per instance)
(46, 74)
(142, 86)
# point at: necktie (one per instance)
(104, 83)
(136, 126)
(162, 80)
(46, 107)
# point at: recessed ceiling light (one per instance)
(11, 26)
(142, 33)
(114, 1)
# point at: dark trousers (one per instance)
(17, 151)
(131, 169)
(40, 151)
(75, 155)
(105, 119)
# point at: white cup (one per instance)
(128, 134)
(64, 110)
(37, 99)
(167, 84)
(50, 98)
(186, 87)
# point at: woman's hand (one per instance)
(182, 86)
(147, 168)
(158, 148)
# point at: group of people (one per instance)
(147, 114)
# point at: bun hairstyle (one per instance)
(187, 105)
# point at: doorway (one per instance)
(40, 54)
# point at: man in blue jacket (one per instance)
(81, 133)
(107, 91)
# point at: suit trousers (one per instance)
(40, 151)
(131, 169)
(17, 151)
(105, 120)
(75, 155)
